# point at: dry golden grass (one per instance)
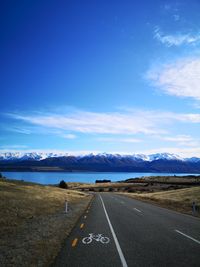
(105, 185)
(75, 185)
(136, 183)
(173, 179)
(180, 200)
(33, 224)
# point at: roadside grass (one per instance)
(186, 178)
(179, 200)
(113, 185)
(33, 224)
(145, 183)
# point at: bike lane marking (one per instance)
(121, 255)
(97, 237)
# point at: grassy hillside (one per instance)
(33, 224)
(180, 200)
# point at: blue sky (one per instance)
(100, 76)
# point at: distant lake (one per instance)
(83, 177)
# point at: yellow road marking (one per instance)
(81, 226)
(74, 243)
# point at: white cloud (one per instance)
(91, 122)
(126, 123)
(119, 140)
(177, 138)
(19, 130)
(176, 39)
(181, 140)
(181, 79)
(68, 136)
(193, 118)
(10, 147)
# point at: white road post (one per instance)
(193, 208)
(66, 206)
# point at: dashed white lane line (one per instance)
(193, 239)
(137, 209)
(121, 255)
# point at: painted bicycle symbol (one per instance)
(99, 238)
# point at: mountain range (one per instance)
(160, 162)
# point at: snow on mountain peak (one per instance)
(42, 155)
(165, 156)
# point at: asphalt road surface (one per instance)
(119, 231)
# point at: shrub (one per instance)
(131, 190)
(91, 189)
(102, 181)
(127, 188)
(62, 184)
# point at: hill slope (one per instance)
(33, 224)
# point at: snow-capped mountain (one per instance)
(36, 161)
(12, 156)
(165, 156)
(19, 156)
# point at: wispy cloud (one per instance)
(176, 39)
(68, 136)
(119, 140)
(11, 147)
(177, 138)
(91, 122)
(181, 140)
(127, 123)
(19, 130)
(181, 78)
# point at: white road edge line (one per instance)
(195, 240)
(123, 261)
(137, 209)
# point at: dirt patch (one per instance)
(33, 223)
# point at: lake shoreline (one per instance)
(82, 177)
(85, 171)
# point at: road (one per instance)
(138, 234)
